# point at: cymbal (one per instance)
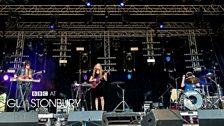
(118, 82)
(206, 76)
(193, 80)
(207, 84)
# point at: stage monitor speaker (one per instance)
(211, 117)
(162, 117)
(18, 119)
(88, 118)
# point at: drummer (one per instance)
(189, 82)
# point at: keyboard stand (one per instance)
(22, 95)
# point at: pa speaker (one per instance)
(162, 117)
(211, 117)
(88, 118)
(18, 119)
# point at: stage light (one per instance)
(85, 57)
(161, 26)
(80, 49)
(63, 61)
(129, 56)
(122, 4)
(168, 58)
(133, 49)
(11, 71)
(85, 77)
(6, 77)
(129, 76)
(51, 27)
(88, 4)
(151, 60)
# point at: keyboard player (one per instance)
(23, 88)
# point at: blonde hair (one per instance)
(101, 71)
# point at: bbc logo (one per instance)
(39, 93)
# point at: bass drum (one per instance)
(192, 100)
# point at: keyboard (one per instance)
(24, 80)
(83, 85)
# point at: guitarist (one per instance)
(97, 80)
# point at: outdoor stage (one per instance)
(61, 58)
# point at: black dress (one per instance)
(99, 90)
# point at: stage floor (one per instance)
(109, 118)
(140, 125)
(123, 118)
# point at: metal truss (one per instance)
(106, 45)
(111, 9)
(18, 56)
(112, 34)
(63, 49)
(107, 57)
(150, 45)
(195, 60)
(30, 26)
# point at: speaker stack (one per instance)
(162, 117)
(87, 118)
(213, 117)
(18, 119)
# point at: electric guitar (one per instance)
(98, 81)
(95, 83)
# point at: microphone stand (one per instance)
(177, 89)
(161, 97)
(218, 90)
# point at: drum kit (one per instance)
(199, 98)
